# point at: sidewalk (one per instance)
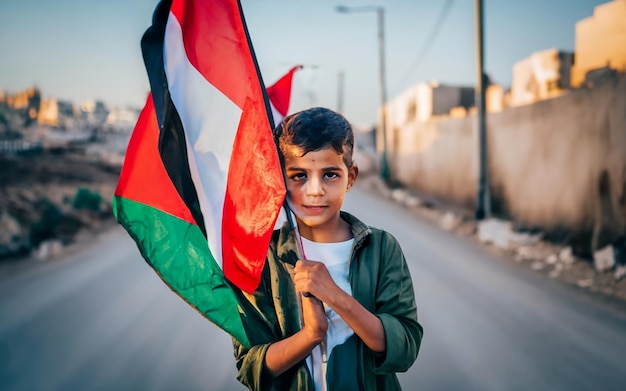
(548, 259)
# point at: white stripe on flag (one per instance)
(210, 122)
(276, 114)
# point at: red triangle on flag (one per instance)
(280, 92)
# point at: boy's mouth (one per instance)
(314, 209)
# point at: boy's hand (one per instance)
(314, 321)
(313, 277)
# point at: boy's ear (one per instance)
(353, 173)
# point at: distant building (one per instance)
(600, 41)
(458, 112)
(26, 99)
(94, 113)
(56, 113)
(122, 119)
(25, 102)
(494, 98)
(426, 100)
(542, 75)
(423, 102)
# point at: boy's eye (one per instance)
(331, 175)
(298, 177)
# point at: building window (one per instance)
(553, 85)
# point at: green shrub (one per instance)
(45, 228)
(86, 199)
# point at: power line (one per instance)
(429, 41)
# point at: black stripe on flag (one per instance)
(172, 143)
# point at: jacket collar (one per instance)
(286, 242)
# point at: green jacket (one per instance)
(380, 281)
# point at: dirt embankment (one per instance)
(47, 198)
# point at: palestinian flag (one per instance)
(201, 186)
(280, 95)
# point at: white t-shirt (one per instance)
(336, 257)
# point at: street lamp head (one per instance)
(364, 8)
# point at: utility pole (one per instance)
(340, 83)
(483, 198)
(384, 164)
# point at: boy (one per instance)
(344, 318)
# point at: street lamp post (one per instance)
(380, 11)
(483, 196)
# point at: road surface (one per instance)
(101, 319)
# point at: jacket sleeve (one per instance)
(396, 308)
(253, 374)
(251, 367)
(263, 312)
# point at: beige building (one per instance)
(56, 113)
(542, 75)
(494, 98)
(601, 41)
(424, 102)
(27, 100)
(427, 100)
(93, 113)
(24, 99)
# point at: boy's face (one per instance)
(317, 183)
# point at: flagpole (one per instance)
(266, 98)
(293, 227)
(270, 117)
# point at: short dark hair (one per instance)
(315, 129)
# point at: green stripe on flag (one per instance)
(179, 253)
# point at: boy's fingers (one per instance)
(305, 264)
(301, 266)
(300, 263)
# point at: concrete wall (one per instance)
(548, 162)
(437, 158)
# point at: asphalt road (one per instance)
(100, 319)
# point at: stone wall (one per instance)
(558, 165)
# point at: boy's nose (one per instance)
(315, 187)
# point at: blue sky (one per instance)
(89, 49)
